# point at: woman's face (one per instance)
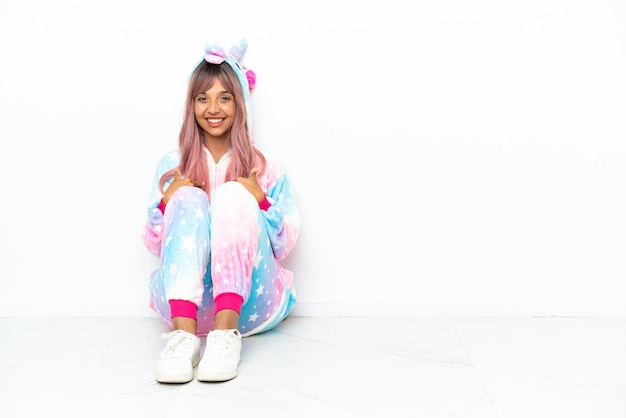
(215, 111)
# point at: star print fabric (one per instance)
(226, 245)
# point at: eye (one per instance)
(226, 98)
(201, 99)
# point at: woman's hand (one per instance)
(177, 183)
(252, 184)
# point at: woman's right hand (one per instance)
(177, 183)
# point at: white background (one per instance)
(449, 158)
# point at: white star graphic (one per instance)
(259, 290)
(253, 317)
(257, 259)
(188, 244)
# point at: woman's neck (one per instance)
(217, 147)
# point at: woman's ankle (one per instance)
(185, 324)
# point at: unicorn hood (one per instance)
(215, 54)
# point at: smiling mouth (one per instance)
(214, 120)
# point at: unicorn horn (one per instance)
(237, 50)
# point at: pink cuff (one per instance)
(228, 301)
(161, 206)
(183, 308)
(264, 204)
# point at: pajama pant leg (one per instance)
(242, 260)
(220, 248)
(184, 252)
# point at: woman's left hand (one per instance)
(252, 184)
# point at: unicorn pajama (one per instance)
(223, 244)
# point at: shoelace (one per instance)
(178, 345)
(220, 345)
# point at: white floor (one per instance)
(324, 367)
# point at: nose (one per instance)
(213, 107)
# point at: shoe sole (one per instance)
(215, 377)
(182, 378)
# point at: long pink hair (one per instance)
(193, 160)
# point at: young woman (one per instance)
(221, 215)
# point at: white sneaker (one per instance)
(180, 356)
(221, 356)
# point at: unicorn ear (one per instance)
(214, 54)
(236, 51)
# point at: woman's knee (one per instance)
(189, 196)
(232, 191)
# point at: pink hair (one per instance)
(193, 161)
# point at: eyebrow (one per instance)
(221, 92)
